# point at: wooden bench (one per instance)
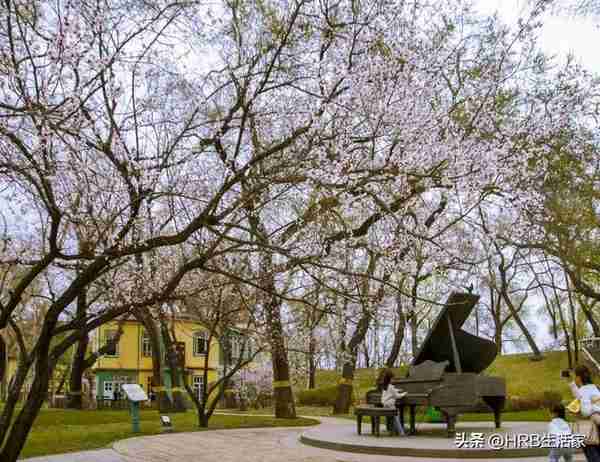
(375, 410)
(375, 413)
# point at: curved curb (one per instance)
(426, 452)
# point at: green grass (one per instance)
(58, 431)
(525, 377)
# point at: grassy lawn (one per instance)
(57, 431)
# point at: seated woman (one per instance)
(389, 396)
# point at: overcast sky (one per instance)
(560, 35)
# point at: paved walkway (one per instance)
(244, 445)
(101, 455)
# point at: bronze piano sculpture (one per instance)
(445, 373)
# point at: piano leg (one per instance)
(497, 417)
(497, 404)
(450, 423)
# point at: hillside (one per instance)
(523, 376)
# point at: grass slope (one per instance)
(523, 376)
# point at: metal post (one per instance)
(135, 416)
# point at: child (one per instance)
(389, 396)
(559, 426)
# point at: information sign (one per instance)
(134, 392)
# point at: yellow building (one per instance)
(12, 364)
(11, 368)
(131, 359)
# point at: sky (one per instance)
(560, 35)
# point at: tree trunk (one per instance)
(74, 397)
(3, 363)
(588, 312)
(573, 323)
(175, 368)
(61, 384)
(282, 388)
(537, 354)
(345, 388)
(341, 351)
(398, 334)
(498, 335)
(414, 321)
(21, 426)
(496, 308)
(12, 397)
(312, 366)
(365, 349)
(162, 397)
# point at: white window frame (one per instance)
(106, 336)
(198, 385)
(112, 389)
(236, 348)
(204, 336)
(146, 345)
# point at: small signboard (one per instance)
(134, 392)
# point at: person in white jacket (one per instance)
(559, 426)
(389, 396)
(588, 395)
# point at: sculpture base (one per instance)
(431, 441)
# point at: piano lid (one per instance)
(475, 353)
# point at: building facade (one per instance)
(130, 361)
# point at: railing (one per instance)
(105, 403)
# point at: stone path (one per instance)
(244, 445)
(101, 455)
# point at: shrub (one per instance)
(322, 396)
(534, 401)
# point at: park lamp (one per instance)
(165, 423)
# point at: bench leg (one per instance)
(359, 423)
(377, 424)
(413, 411)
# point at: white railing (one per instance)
(585, 344)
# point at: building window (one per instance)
(235, 345)
(200, 343)
(198, 385)
(146, 345)
(110, 340)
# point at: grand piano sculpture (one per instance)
(446, 371)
